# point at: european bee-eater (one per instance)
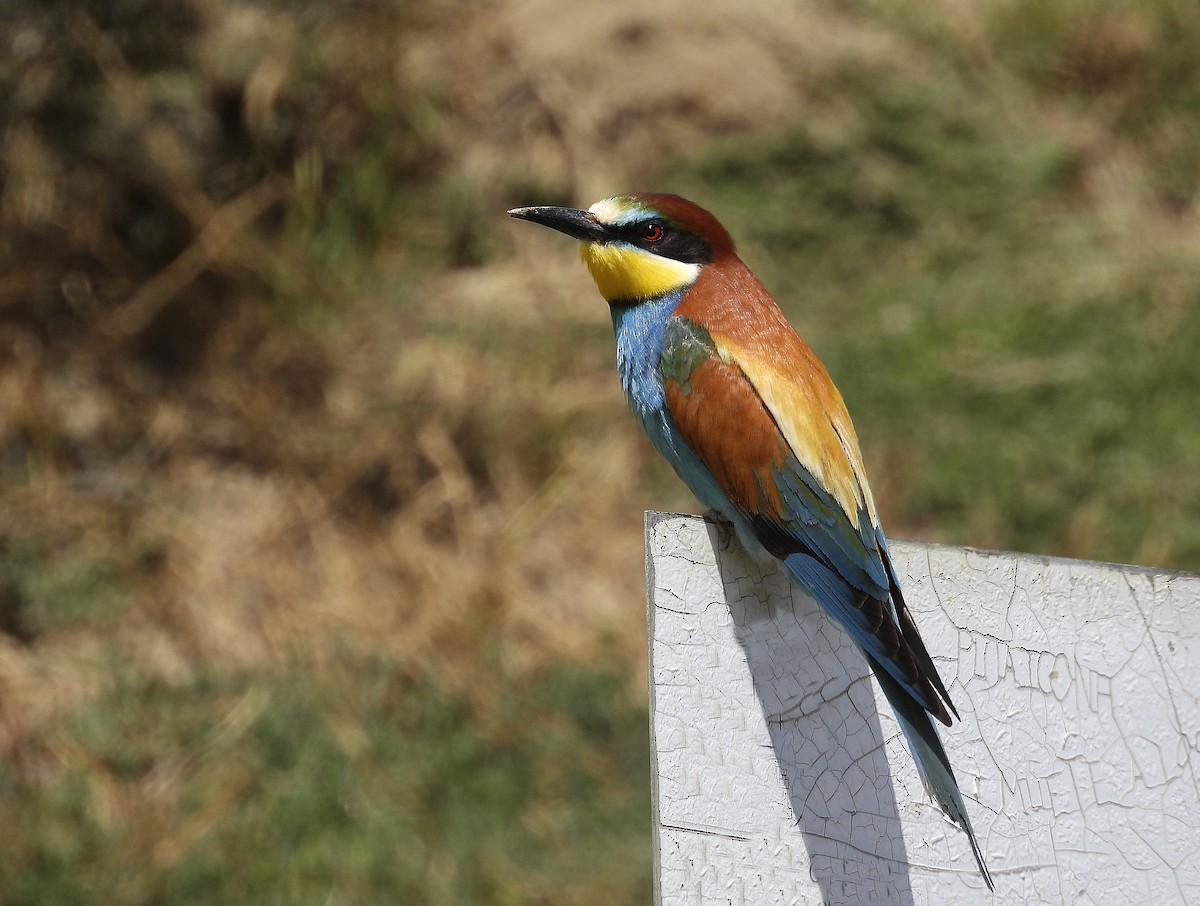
(752, 423)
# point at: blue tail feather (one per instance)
(933, 765)
(930, 756)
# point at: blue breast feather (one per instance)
(640, 330)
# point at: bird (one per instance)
(752, 423)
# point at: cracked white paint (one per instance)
(781, 776)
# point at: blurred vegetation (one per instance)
(945, 245)
(320, 519)
(270, 788)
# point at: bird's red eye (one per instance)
(652, 231)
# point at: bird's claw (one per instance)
(723, 526)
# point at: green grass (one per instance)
(46, 586)
(1020, 369)
(359, 786)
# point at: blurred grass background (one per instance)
(320, 525)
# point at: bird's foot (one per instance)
(723, 526)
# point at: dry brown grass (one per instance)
(266, 490)
(278, 380)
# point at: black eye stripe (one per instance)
(673, 243)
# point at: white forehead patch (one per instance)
(614, 211)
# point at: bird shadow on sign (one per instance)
(816, 694)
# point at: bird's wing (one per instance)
(778, 442)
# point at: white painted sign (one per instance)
(781, 777)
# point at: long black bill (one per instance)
(577, 224)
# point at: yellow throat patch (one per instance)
(625, 273)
